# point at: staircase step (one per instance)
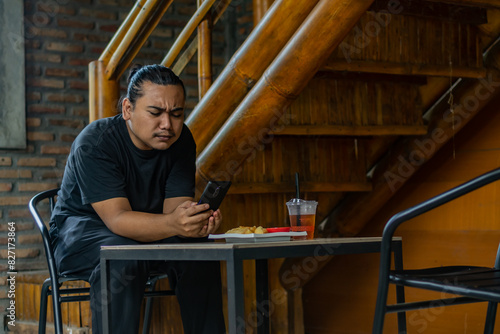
(288, 187)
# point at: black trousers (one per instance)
(197, 284)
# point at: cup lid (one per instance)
(298, 201)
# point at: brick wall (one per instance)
(61, 38)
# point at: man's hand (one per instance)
(192, 220)
(213, 223)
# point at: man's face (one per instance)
(157, 119)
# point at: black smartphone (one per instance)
(214, 193)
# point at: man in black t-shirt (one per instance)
(130, 179)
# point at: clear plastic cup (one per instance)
(302, 216)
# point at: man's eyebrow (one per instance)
(163, 109)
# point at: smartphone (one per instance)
(214, 193)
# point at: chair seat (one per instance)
(470, 281)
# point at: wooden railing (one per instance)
(105, 73)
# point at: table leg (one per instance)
(105, 305)
(262, 289)
(400, 290)
(235, 297)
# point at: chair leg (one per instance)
(42, 318)
(147, 315)
(489, 326)
(148, 309)
(378, 322)
(56, 306)
(400, 290)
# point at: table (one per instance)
(234, 254)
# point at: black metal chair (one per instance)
(471, 284)
(52, 285)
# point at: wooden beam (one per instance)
(186, 33)
(436, 10)
(474, 3)
(371, 77)
(265, 188)
(346, 130)
(204, 54)
(295, 311)
(260, 8)
(103, 93)
(187, 55)
(322, 31)
(131, 37)
(122, 31)
(368, 66)
(245, 68)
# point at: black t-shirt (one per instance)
(104, 163)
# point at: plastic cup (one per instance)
(302, 216)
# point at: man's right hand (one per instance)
(191, 219)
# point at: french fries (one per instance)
(248, 230)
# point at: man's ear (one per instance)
(127, 108)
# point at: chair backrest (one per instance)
(49, 253)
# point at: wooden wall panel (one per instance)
(407, 39)
(334, 99)
(316, 159)
(464, 231)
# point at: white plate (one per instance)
(253, 237)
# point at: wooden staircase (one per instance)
(346, 93)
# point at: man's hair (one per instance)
(156, 74)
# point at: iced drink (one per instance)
(302, 216)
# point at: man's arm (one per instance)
(186, 219)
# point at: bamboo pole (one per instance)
(135, 37)
(186, 56)
(322, 31)
(122, 31)
(186, 32)
(246, 67)
(260, 8)
(103, 94)
(204, 54)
